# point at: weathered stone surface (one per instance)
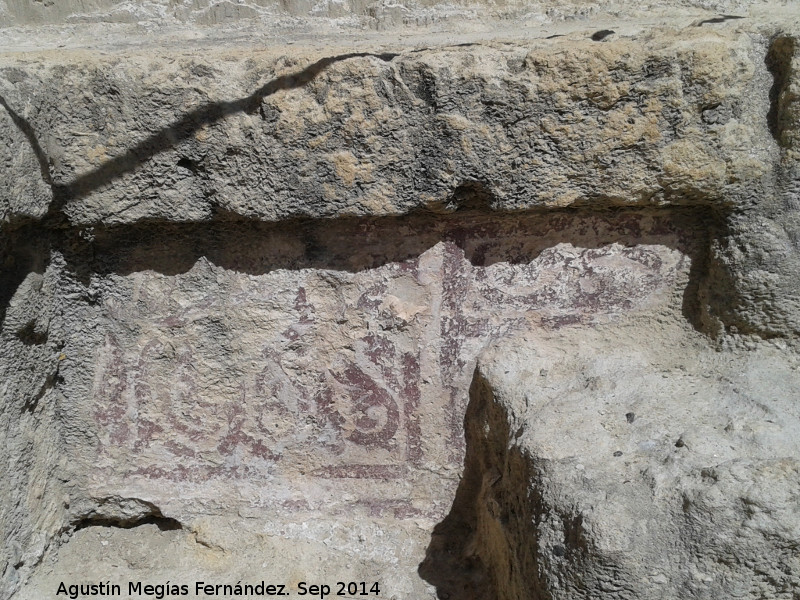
(298, 16)
(273, 374)
(661, 120)
(669, 120)
(244, 290)
(600, 464)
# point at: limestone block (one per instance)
(251, 253)
(600, 464)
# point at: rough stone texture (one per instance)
(670, 121)
(268, 373)
(245, 288)
(297, 17)
(601, 466)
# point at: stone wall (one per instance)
(246, 292)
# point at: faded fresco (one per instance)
(283, 356)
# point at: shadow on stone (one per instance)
(485, 549)
(355, 244)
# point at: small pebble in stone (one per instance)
(618, 453)
(630, 417)
(559, 550)
(680, 443)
